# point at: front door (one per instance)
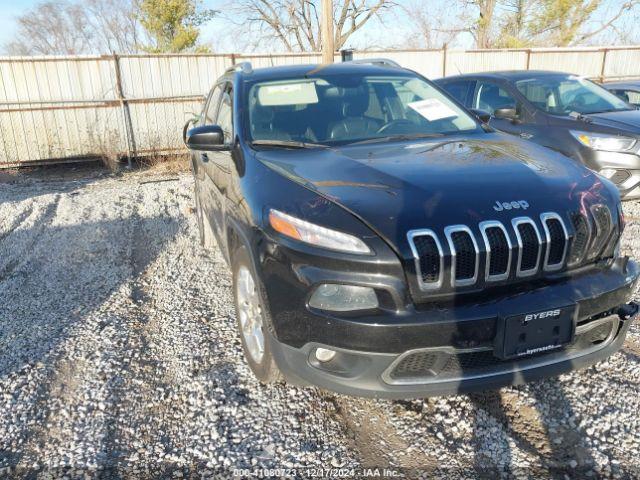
(490, 96)
(220, 163)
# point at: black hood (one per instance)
(398, 187)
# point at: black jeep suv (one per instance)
(385, 243)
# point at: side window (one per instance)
(491, 97)
(628, 96)
(209, 114)
(460, 90)
(225, 114)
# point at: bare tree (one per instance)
(67, 28)
(436, 27)
(116, 24)
(295, 24)
(609, 23)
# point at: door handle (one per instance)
(205, 157)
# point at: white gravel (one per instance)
(119, 357)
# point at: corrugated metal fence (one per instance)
(59, 109)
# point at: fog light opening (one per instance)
(343, 298)
(325, 355)
(608, 172)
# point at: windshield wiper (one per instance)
(609, 110)
(399, 137)
(286, 144)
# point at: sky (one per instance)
(213, 32)
(9, 9)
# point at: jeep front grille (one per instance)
(525, 248)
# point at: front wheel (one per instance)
(253, 318)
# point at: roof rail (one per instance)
(245, 67)
(386, 62)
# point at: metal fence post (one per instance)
(444, 60)
(604, 64)
(126, 112)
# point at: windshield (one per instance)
(566, 95)
(348, 108)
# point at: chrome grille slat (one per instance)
(484, 228)
(413, 236)
(581, 238)
(603, 223)
(519, 226)
(547, 220)
(459, 257)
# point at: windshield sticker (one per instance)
(433, 109)
(288, 94)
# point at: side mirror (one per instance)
(185, 129)
(482, 115)
(508, 113)
(207, 137)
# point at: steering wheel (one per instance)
(400, 122)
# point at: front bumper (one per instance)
(370, 374)
(371, 346)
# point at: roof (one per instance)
(513, 75)
(631, 84)
(289, 71)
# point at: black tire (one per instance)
(265, 369)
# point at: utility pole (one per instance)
(327, 31)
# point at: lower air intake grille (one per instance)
(465, 255)
(417, 365)
(530, 247)
(437, 365)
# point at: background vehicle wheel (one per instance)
(253, 318)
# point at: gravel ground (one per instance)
(119, 357)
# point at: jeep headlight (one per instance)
(313, 234)
(598, 141)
